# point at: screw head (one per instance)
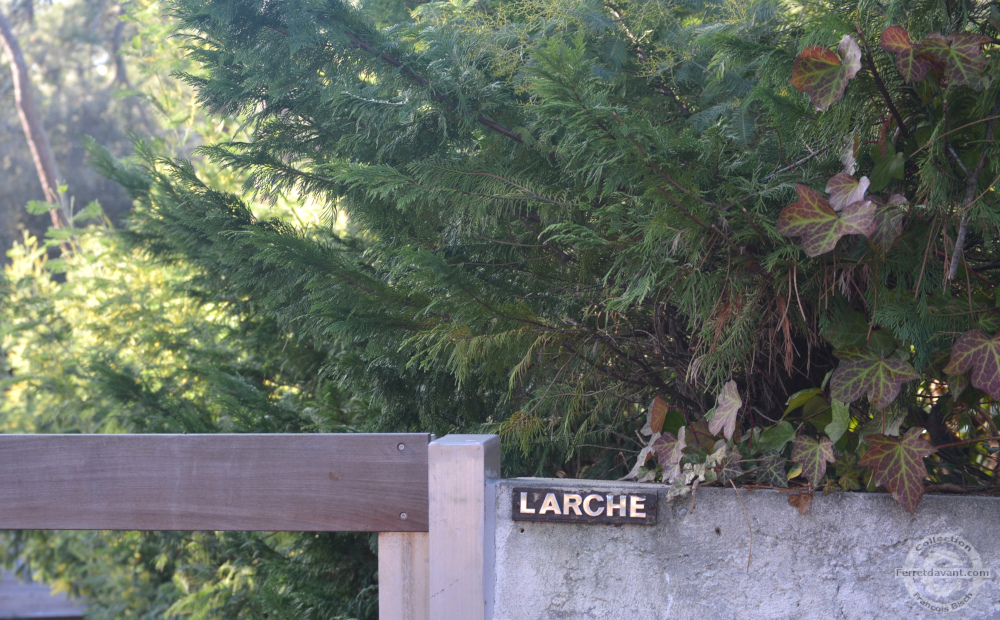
(401, 447)
(403, 516)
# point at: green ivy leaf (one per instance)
(815, 406)
(977, 352)
(669, 452)
(820, 227)
(912, 62)
(882, 342)
(961, 54)
(845, 189)
(771, 470)
(889, 165)
(841, 420)
(674, 421)
(813, 455)
(888, 223)
(775, 437)
(847, 328)
(898, 465)
(863, 371)
(823, 75)
(800, 398)
(728, 404)
(851, 481)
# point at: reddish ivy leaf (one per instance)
(898, 200)
(731, 468)
(669, 452)
(888, 222)
(771, 470)
(813, 455)
(976, 351)
(845, 189)
(961, 55)
(814, 220)
(898, 465)
(823, 75)
(911, 60)
(657, 414)
(863, 371)
(888, 228)
(724, 418)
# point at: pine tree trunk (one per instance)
(27, 110)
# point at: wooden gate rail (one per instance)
(431, 501)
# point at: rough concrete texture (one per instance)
(836, 561)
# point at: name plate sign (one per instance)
(563, 506)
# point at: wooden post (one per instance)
(403, 576)
(462, 471)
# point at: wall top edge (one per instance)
(645, 487)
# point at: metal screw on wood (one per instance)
(401, 447)
(402, 516)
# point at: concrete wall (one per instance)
(836, 561)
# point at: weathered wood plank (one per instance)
(293, 482)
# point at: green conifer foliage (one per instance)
(563, 209)
(535, 249)
(125, 344)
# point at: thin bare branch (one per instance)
(31, 123)
(971, 183)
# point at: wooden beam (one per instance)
(294, 482)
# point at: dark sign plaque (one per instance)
(567, 506)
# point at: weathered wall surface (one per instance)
(837, 561)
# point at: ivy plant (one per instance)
(897, 264)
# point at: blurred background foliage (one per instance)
(104, 338)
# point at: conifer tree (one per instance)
(562, 218)
(565, 209)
